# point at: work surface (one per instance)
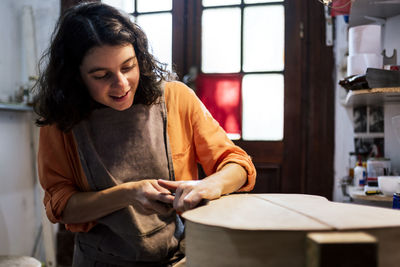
(257, 229)
(290, 212)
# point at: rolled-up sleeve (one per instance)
(60, 174)
(213, 147)
(55, 174)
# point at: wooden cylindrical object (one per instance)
(271, 229)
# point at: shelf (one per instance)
(363, 10)
(375, 96)
(14, 107)
(357, 193)
(358, 196)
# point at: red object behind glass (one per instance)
(221, 94)
(340, 7)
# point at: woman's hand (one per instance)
(89, 206)
(151, 196)
(188, 194)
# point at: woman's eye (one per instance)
(104, 76)
(128, 68)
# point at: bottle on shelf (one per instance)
(360, 174)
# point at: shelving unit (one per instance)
(375, 96)
(15, 107)
(367, 11)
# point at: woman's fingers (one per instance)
(191, 200)
(169, 185)
(155, 198)
(188, 194)
(163, 194)
(166, 198)
(179, 195)
(161, 188)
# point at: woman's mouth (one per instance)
(120, 98)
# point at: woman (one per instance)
(119, 145)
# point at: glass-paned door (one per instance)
(247, 38)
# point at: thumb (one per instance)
(170, 185)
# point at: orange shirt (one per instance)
(194, 136)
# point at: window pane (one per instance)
(220, 2)
(221, 40)
(153, 5)
(260, 1)
(158, 28)
(221, 94)
(262, 107)
(263, 38)
(125, 5)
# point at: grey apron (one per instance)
(123, 146)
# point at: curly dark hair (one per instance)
(62, 97)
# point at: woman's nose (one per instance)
(120, 80)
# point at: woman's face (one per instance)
(111, 74)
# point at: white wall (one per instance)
(18, 222)
(391, 36)
(391, 40)
(392, 143)
(344, 136)
(45, 14)
(19, 202)
(9, 60)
